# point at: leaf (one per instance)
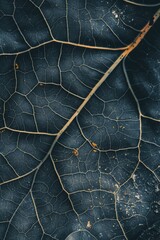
(79, 120)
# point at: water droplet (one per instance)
(89, 225)
(100, 235)
(137, 196)
(157, 188)
(115, 14)
(156, 211)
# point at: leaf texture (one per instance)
(79, 120)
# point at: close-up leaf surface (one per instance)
(79, 120)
